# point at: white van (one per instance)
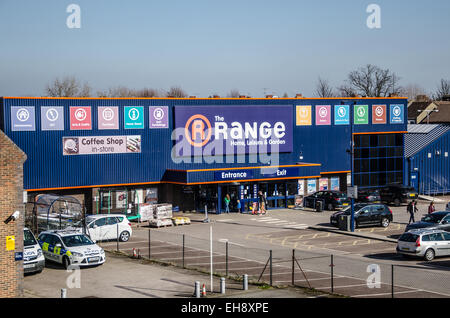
(33, 259)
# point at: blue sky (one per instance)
(210, 47)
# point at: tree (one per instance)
(346, 91)
(323, 89)
(234, 93)
(372, 81)
(69, 86)
(442, 90)
(122, 91)
(412, 91)
(177, 92)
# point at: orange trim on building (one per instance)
(336, 172)
(205, 98)
(381, 132)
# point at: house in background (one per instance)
(425, 111)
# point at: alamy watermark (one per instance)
(374, 19)
(73, 21)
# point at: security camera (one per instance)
(12, 217)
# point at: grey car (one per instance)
(436, 220)
(424, 243)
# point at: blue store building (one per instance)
(116, 153)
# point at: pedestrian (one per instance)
(262, 202)
(411, 209)
(227, 203)
(431, 208)
(238, 206)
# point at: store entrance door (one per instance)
(233, 191)
(275, 194)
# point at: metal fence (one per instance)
(342, 275)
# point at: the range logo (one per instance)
(378, 114)
(198, 130)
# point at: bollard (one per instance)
(222, 285)
(197, 289)
(63, 293)
(245, 282)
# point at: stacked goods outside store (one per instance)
(157, 214)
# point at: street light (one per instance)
(429, 111)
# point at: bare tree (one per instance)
(68, 86)
(323, 88)
(442, 90)
(177, 92)
(346, 91)
(234, 93)
(372, 81)
(412, 91)
(122, 91)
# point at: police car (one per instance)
(33, 259)
(70, 248)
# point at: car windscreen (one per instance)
(408, 237)
(433, 218)
(357, 207)
(76, 240)
(28, 238)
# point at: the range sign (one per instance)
(248, 129)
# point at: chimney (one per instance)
(298, 95)
(216, 96)
(269, 96)
(242, 96)
(393, 95)
(192, 96)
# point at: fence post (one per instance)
(392, 280)
(183, 250)
(332, 273)
(117, 227)
(149, 245)
(245, 282)
(226, 258)
(197, 289)
(270, 267)
(293, 268)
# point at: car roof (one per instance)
(61, 232)
(425, 231)
(98, 216)
(441, 212)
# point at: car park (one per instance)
(33, 259)
(436, 220)
(424, 243)
(103, 227)
(366, 214)
(331, 200)
(397, 194)
(70, 248)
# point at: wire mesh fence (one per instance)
(337, 274)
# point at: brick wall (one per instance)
(11, 198)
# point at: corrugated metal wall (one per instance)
(432, 164)
(46, 166)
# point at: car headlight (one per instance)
(102, 251)
(77, 254)
(39, 252)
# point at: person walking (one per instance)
(411, 209)
(431, 208)
(227, 203)
(238, 206)
(262, 202)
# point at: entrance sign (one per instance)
(23, 118)
(247, 128)
(361, 114)
(323, 115)
(134, 117)
(379, 114)
(80, 118)
(397, 114)
(108, 117)
(303, 116)
(88, 145)
(159, 117)
(233, 175)
(52, 118)
(341, 114)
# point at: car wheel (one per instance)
(397, 202)
(124, 236)
(385, 222)
(66, 262)
(429, 255)
(330, 207)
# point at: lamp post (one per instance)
(429, 111)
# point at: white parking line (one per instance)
(267, 219)
(275, 222)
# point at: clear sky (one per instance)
(211, 47)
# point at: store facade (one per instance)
(118, 153)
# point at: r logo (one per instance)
(195, 129)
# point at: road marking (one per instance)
(226, 220)
(275, 222)
(267, 220)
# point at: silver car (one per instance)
(424, 243)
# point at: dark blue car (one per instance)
(437, 220)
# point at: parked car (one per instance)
(397, 194)
(70, 248)
(103, 227)
(366, 214)
(332, 199)
(436, 220)
(33, 259)
(369, 196)
(424, 243)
